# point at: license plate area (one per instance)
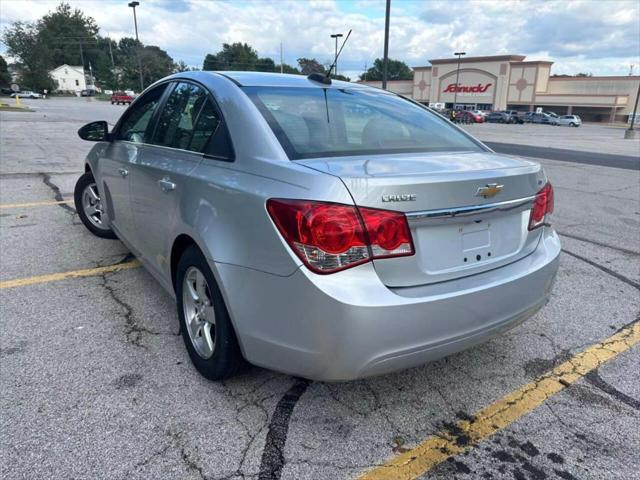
(469, 244)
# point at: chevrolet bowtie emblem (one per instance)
(490, 190)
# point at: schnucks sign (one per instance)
(477, 89)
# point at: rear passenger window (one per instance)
(205, 126)
(176, 123)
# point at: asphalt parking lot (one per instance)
(95, 381)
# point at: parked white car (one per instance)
(570, 120)
(26, 94)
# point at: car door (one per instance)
(118, 163)
(185, 123)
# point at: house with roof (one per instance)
(70, 78)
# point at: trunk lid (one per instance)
(456, 232)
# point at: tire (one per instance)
(572, 124)
(89, 207)
(112, 103)
(215, 355)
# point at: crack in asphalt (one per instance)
(189, 462)
(613, 273)
(133, 331)
(57, 194)
(273, 460)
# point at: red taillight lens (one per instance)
(329, 237)
(388, 233)
(542, 206)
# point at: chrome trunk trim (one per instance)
(506, 206)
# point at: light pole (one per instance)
(455, 91)
(336, 36)
(135, 23)
(385, 60)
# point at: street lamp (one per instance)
(385, 59)
(455, 91)
(135, 23)
(336, 36)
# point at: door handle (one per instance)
(166, 185)
(123, 172)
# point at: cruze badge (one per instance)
(405, 197)
(490, 190)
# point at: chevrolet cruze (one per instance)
(320, 228)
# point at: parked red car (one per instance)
(467, 116)
(121, 98)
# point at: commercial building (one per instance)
(70, 79)
(509, 82)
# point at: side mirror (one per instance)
(95, 132)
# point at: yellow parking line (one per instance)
(54, 277)
(33, 204)
(500, 414)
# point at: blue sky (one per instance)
(601, 37)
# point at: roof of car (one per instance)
(265, 79)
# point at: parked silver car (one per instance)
(26, 94)
(570, 120)
(323, 229)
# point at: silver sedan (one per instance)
(320, 228)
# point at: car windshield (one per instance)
(327, 122)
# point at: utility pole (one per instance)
(281, 65)
(113, 64)
(135, 23)
(81, 55)
(335, 71)
(385, 61)
(455, 91)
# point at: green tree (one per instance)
(66, 32)
(396, 70)
(286, 68)
(310, 65)
(156, 63)
(238, 56)
(5, 76)
(24, 43)
(341, 77)
(181, 66)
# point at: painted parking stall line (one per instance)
(55, 277)
(486, 422)
(15, 206)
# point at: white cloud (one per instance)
(581, 35)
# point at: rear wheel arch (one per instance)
(180, 245)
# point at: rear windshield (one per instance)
(328, 122)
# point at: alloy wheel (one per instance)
(92, 206)
(199, 314)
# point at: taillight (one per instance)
(542, 206)
(329, 237)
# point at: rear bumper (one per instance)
(349, 325)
